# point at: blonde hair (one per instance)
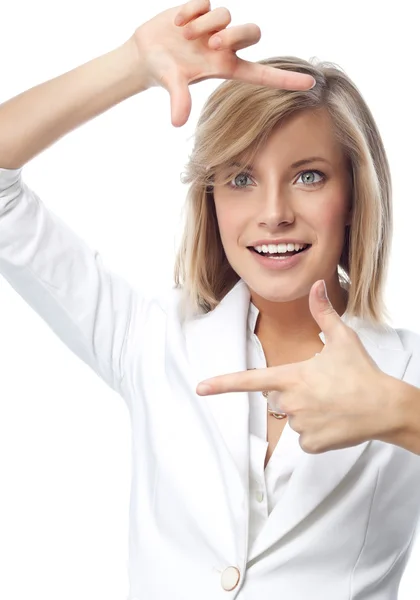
(235, 122)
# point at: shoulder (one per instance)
(162, 299)
(171, 302)
(384, 335)
(168, 297)
(410, 339)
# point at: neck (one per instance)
(292, 322)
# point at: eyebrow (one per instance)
(294, 165)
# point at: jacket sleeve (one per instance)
(63, 280)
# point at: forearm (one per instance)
(36, 118)
(405, 407)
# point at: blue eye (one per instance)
(306, 182)
(236, 177)
(304, 173)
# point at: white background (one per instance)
(64, 435)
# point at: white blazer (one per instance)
(343, 528)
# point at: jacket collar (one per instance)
(216, 344)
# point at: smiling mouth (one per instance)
(288, 253)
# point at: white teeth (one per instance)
(279, 248)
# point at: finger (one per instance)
(323, 311)
(271, 378)
(237, 37)
(191, 10)
(181, 102)
(211, 22)
(258, 74)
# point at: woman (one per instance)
(224, 501)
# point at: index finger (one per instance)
(258, 74)
(257, 380)
(243, 36)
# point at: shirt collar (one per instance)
(253, 313)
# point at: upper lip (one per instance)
(283, 241)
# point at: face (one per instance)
(279, 202)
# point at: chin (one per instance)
(277, 291)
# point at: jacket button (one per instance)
(230, 578)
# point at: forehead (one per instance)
(307, 133)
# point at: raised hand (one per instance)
(178, 47)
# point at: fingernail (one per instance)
(322, 291)
(216, 42)
(203, 389)
(313, 85)
(179, 20)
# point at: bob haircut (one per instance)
(235, 122)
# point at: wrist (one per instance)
(133, 68)
(402, 408)
(140, 50)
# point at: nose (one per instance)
(276, 210)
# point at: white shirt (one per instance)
(266, 486)
(334, 526)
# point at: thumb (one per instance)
(322, 310)
(180, 99)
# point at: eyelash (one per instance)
(238, 187)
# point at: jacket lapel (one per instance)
(216, 345)
(316, 476)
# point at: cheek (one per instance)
(331, 218)
(231, 222)
(333, 222)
